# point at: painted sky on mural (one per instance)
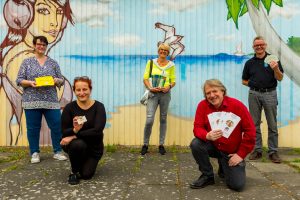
(109, 24)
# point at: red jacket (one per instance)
(241, 140)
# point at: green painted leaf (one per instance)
(228, 16)
(255, 3)
(234, 7)
(244, 9)
(267, 4)
(278, 2)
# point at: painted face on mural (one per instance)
(214, 95)
(47, 19)
(259, 46)
(82, 91)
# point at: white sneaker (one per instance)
(35, 157)
(59, 156)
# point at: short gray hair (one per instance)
(258, 38)
(214, 83)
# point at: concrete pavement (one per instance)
(124, 174)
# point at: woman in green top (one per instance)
(160, 82)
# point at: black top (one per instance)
(92, 130)
(259, 73)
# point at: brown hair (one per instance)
(85, 79)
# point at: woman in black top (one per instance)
(83, 122)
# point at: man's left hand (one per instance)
(274, 65)
(234, 160)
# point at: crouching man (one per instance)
(223, 129)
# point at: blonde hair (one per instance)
(164, 46)
(214, 83)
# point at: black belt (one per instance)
(263, 89)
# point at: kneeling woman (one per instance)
(83, 122)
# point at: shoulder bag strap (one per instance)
(151, 65)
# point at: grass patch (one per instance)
(13, 154)
(296, 160)
(10, 168)
(296, 167)
(111, 148)
(264, 159)
(174, 157)
(138, 163)
(296, 151)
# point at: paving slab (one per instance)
(128, 175)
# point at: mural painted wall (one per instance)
(111, 41)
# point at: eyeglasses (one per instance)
(81, 78)
(259, 45)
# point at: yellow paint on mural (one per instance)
(127, 128)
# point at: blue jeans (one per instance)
(268, 102)
(235, 176)
(33, 122)
(163, 100)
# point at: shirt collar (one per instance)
(223, 105)
(261, 58)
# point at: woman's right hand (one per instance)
(32, 83)
(76, 126)
(28, 83)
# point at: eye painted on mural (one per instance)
(43, 11)
(60, 11)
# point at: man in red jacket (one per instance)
(211, 140)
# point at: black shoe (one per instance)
(202, 182)
(161, 150)
(275, 158)
(255, 155)
(221, 172)
(144, 150)
(73, 179)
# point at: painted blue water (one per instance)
(117, 81)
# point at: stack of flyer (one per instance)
(224, 121)
(158, 80)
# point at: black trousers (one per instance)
(235, 177)
(82, 161)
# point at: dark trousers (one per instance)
(235, 177)
(81, 159)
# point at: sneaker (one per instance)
(275, 158)
(73, 179)
(255, 155)
(161, 150)
(59, 156)
(144, 150)
(35, 158)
